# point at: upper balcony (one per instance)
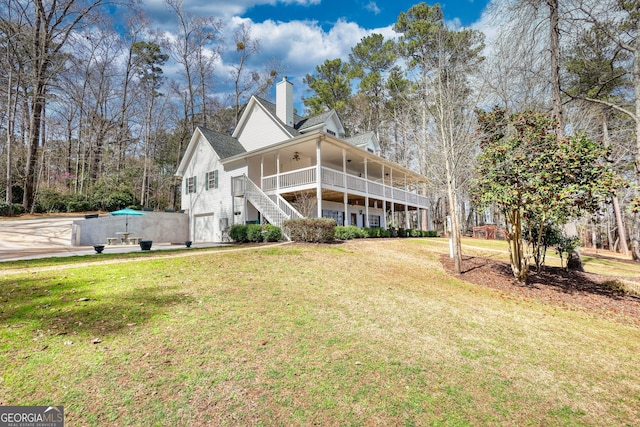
(339, 181)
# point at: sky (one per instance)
(301, 34)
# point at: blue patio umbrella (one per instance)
(126, 212)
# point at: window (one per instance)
(330, 132)
(211, 180)
(374, 221)
(190, 185)
(336, 215)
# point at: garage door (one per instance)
(203, 228)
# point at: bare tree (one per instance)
(51, 25)
(444, 59)
(249, 81)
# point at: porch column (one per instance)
(366, 198)
(345, 196)
(393, 198)
(319, 175)
(366, 210)
(278, 172)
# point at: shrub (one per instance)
(112, 201)
(238, 233)
(315, 230)
(349, 232)
(78, 203)
(377, 232)
(272, 233)
(430, 233)
(254, 233)
(16, 209)
(50, 201)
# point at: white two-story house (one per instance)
(278, 166)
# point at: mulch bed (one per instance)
(570, 290)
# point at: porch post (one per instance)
(261, 171)
(345, 196)
(278, 172)
(406, 204)
(366, 198)
(319, 175)
(393, 198)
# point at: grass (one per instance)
(369, 332)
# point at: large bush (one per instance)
(16, 209)
(238, 233)
(254, 233)
(314, 230)
(272, 233)
(50, 201)
(350, 232)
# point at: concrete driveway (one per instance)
(51, 237)
(20, 238)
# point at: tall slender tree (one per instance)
(444, 60)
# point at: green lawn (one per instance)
(369, 332)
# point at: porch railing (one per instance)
(335, 178)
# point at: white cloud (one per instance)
(373, 7)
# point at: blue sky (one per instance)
(367, 13)
(301, 34)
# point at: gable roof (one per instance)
(309, 122)
(224, 145)
(362, 140)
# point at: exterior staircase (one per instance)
(275, 211)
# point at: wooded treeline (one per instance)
(90, 117)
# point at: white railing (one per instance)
(336, 178)
(287, 208)
(376, 189)
(356, 183)
(292, 179)
(332, 177)
(270, 182)
(237, 186)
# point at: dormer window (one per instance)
(330, 132)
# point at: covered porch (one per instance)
(343, 178)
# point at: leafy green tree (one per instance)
(371, 60)
(331, 87)
(536, 178)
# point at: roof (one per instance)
(300, 124)
(224, 145)
(360, 139)
(310, 122)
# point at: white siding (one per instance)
(260, 131)
(333, 126)
(214, 202)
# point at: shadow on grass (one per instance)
(83, 307)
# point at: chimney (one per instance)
(284, 101)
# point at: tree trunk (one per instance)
(519, 263)
(555, 66)
(622, 231)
